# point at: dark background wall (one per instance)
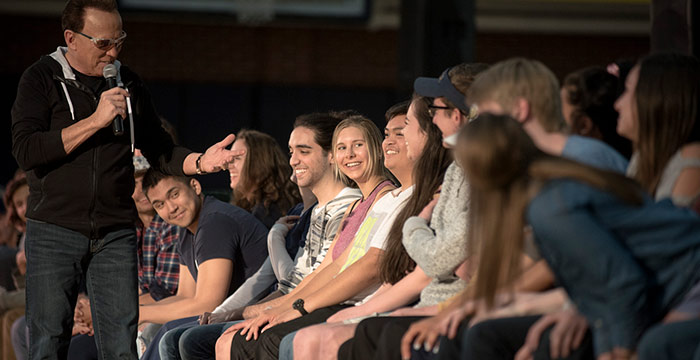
(210, 75)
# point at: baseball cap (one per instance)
(441, 87)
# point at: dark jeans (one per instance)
(267, 345)
(673, 341)
(377, 338)
(56, 260)
(501, 339)
(7, 265)
(153, 350)
(82, 347)
(192, 341)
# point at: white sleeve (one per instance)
(282, 263)
(252, 290)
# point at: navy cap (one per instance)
(441, 87)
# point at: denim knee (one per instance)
(287, 347)
(677, 340)
(168, 347)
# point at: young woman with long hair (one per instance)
(659, 113)
(260, 177)
(605, 240)
(402, 281)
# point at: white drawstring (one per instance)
(131, 122)
(70, 102)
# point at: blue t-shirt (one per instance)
(594, 153)
(225, 231)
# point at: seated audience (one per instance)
(414, 135)
(529, 91)
(12, 299)
(351, 273)
(312, 161)
(605, 240)
(433, 239)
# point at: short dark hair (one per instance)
(73, 17)
(592, 92)
(396, 110)
(152, 177)
(462, 76)
(323, 124)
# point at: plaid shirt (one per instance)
(159, 263)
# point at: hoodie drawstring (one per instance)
(70, 102)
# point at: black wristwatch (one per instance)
(299, 306)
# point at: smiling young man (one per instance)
(221, 247)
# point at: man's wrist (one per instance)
(198, 165)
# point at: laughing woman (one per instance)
(260, 177)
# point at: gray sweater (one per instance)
(441, 246)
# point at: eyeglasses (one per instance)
(106, 44)
(434, 108)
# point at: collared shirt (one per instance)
(159, 263)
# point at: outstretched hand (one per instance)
(217, 157)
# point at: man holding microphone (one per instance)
(80, 212)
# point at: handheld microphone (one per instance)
(110, 74)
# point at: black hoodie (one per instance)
(88, 190)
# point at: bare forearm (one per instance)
(160, 313)
(145, 299)
(347, 284)
(402, 293)
(254, 310)
(76, 134)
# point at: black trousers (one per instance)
(377, 338)
(267, 345)
(501, 339)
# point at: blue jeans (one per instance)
(287, 346)
(672, 341)
(20, 338)
(192, 341)
(57, 259)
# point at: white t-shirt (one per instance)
(374, 231)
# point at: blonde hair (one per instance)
(515, 78)
(373, 140)
(505, 171)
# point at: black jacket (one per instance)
(88, 190)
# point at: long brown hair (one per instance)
(13, 219)
(265, 174)
(428, 173)
(505, 170)
(667, 97)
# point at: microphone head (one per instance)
(109, 71)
